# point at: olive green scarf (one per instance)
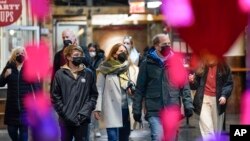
(115, 67)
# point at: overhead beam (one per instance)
(83, 10)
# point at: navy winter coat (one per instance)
(155, 87)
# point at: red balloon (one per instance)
(217, 25)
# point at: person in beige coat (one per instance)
(115, 83)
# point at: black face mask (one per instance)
(122, 57)
(67, 43)
(77, 61)
(165, 50)
(20, 58)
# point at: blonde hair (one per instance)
(130, 40)
(14, 52)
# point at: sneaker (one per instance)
(98, 134)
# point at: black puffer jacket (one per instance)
(15, 113)
(72, 96)
(224, 86)
(154, 86)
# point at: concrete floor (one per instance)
(185, 134)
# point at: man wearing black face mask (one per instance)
(155, 87)
(67, 43)
(68, 39)
(74, 95)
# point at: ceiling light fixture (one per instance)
(153, 3)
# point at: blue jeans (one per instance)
(155, 128)
(120, 134)
(18, 133)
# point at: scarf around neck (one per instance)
(113, 67)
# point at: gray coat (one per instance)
(109, 101)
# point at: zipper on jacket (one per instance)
(164, 97)
(18, 93)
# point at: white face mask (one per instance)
(92, 54)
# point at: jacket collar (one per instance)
(154, 58)
(72, 73)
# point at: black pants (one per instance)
(80, 133)
(18, 133)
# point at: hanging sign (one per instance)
(136, 6)
(10, 11)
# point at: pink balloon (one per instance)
(37, 64)
(245, 108)
(40, 8)
(175, 70)
(40, 117)
(39, 100)
(244, 5)
(177, 12)
(171, 119)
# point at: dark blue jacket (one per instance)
(17, 89)
(154, 86)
